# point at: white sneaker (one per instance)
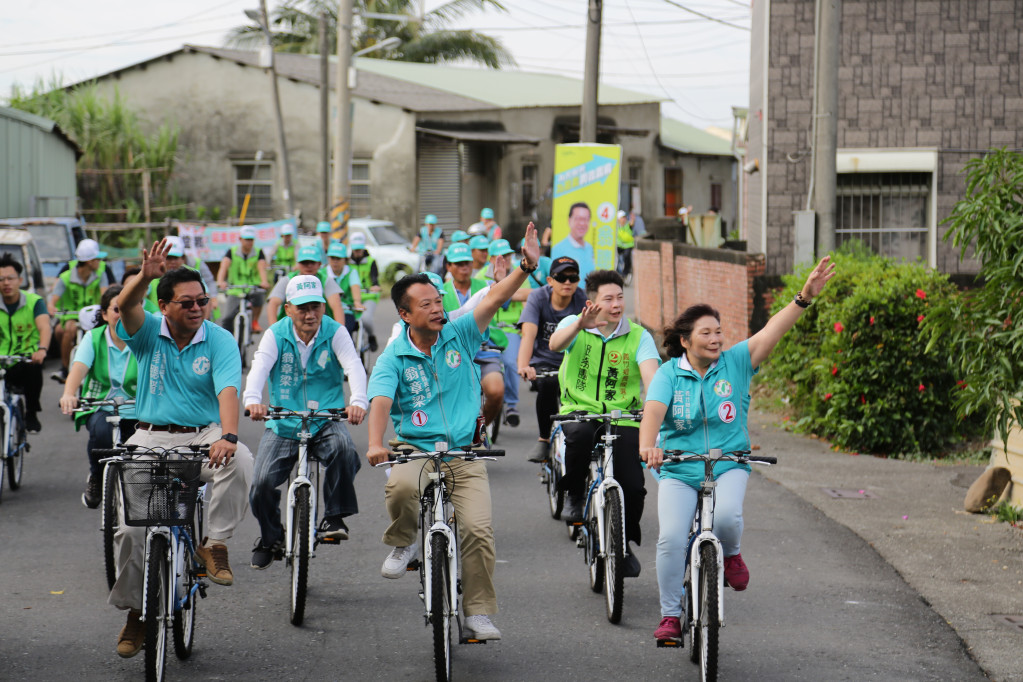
(480, 627)
(397, 561)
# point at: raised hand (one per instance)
(154, 261)
(500, 269)
(816, 280)
(531, 247)
(588, 317)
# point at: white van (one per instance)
(19, 244)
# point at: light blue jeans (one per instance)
(676, 507)
(510, 358)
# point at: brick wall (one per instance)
(912, 73)
(671, 276)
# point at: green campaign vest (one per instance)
(77, 296)
(320, 275)
(344, 282)
(242, 270)
(513, 312)
(284, 256)
(97, 381)
(497, 337)
(625, 238)
(598, 377)
(18, 332)
(363, 269)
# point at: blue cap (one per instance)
(459, 253)
(287, 228)
(322, 226)
(430, 219)
(337, 250)
(500, 247)
(460, 236)
(479, 242)
(435, 279)
(487, 214)
(309, 252)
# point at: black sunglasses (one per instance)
(561, 277)
(187, 305)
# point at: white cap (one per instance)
(288, 228)
(177, 246)
(247, 232)
(88, 249)
(683, 210)
(357, 240)
(622, 214)
(304, 289)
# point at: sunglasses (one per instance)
(561, 278)
(187, 305)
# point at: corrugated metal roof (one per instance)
(481, 135)
(688, 139)
(44, 124)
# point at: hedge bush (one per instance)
(856, 366)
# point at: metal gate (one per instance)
(440, 183)
(886, 211)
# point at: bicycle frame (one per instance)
(440, 509)
(602, 477)
(175, 560)
(7, 403)
(301, 480)
(701, 533)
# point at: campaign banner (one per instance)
(589, 174)
(211, 242)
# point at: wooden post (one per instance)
(145, 206)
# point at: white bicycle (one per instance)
(242, 328)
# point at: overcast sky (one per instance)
(661, 47)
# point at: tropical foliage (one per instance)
(294, 26)
(859, 368)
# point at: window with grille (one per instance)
(255, 179)
(529, 175)
(630, 186)
(886, 211)
(360, 189)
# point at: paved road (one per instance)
(822, 605)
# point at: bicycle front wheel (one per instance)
(111, 522)
(16, 453)
(3, 458)
(591, 546)
(184, 616)
(440, 607)
(299, 554)
(614, 553)
(708, 622)
(156, 609)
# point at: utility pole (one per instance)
(342, 132)
(289, 201)
(591, 75)
(324, 119)
(826, 141)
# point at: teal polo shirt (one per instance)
(181, 387)
(704, 412)
(436, 397)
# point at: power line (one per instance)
(706, 16)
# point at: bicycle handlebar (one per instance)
(546, 374)
(131, 451)
(87, 403)
(4, 359)
(334, 414)
(613, 415)
(741, 456)
(403, 456)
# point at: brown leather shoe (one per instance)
(132, 636)
(214, 558)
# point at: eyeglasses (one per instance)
(187, 305)
(561, 278)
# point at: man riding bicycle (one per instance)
(369, 276)
(598, 374)
(284, 252)
(306, 356)
(189, 377)
(429, 243)
(24, 330)
(80, 283)
(176, 258)
(243, 265)
(308, 264)
(347, 279)
(427, 383)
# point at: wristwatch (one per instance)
(230, 438)
(522, 266)
(800, 301)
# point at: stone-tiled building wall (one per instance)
(942, 74)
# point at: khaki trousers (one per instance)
(470, 496)
(227, 503)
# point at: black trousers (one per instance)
(580, 440)
(547, 391)
(27, 379)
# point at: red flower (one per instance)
(863, 399)
(961, 384)
(921, 388)
(919, 318)
(834, 370)
(839, 328)
(871, 320)
(827, 396)
(921, 294)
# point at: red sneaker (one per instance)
(255, 327)
(670, 628)
(736, 573)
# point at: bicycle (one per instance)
(242, 326)
(703, 611)
(111, 499)
(299, 540)
(601, 534)
(502, 416)
(438, 564)
(552, 470)
(360, 340)
(160, 490)
(12, 427)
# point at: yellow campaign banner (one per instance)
(586, 174)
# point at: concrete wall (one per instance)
(913, 73)
(224, 108)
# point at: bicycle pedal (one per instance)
(328, 541)
(673, 642)
(413, 565)
(466, 640)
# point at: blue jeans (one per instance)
(333, 446)
(510, 358)
(101, 436)
(676, 507)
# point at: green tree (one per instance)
(985, 326)
(294, 26)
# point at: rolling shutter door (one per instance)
(440, 183)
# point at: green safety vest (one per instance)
(363, 269)
(450, 300)
(242, 270)
(510, 315)
(284, 255)
(18, 332)
(320, 275)
(77, 296)
(97, 381)
(151, 302)
(598, 376)
(344, 282)
(625, 238)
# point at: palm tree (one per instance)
(294, 26)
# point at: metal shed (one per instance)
(37, 166)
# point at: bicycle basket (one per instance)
(160, 492)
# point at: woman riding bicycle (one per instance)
(108, 370)
(707, 391)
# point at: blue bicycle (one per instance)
(14, 443)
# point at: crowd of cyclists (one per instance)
(478, 318)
